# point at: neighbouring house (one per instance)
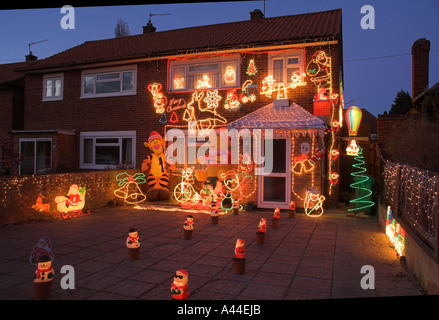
(92, 107)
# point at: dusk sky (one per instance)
(377, 63)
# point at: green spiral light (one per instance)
(361, 202)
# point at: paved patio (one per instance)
(305, 258)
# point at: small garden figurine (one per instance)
(235, 206)
(133, 244)
(179, 287)
(214, 215)
(43, 278)
(292, 210)
(276, 217)
(261, 233)
(239, 261)
(188, 226)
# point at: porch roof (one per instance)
(275, 117)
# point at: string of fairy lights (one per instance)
(417, 198)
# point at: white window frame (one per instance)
(102, 71)
(106, 135)
(222, 61)
(35, 140)
(284, 56)
(53, 78)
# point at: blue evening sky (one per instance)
(369, 83)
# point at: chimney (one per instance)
(256, 14)
(149, 27)
(30, 57)
(420, 65)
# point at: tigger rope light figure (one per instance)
(154, 166)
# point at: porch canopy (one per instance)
(272, 116)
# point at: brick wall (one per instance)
(19, 193)
(136, 112)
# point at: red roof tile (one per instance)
(8, 73)
(285, 29)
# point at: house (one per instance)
(93, 106)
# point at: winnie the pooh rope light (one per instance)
(157, 176)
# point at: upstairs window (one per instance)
(53, 87)
(283, 65)
(204, 74)
(109, 82)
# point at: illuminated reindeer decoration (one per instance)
(206, 118)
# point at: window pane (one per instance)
(279, 156)
(107, 140)
(89, 84)
(229, 74)
(127, 151)
(278, 67)
(274, 189)
(178, 78)
(108, 76)
(293, 60)
(58, 87)
(128, 81)
(204, 67)
(107, 155)
(290, 72)
(88, 151)
(27, 150)
(108, 87)
(44, 155)
(49, 88)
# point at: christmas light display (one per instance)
(157, 176)
(416, 191)
(204, 119)
(212, 99)
(232, 103)
(313, 203)
(395, 233)
(251, 69)
(230, 75)
(40, 206)
(42, 248)
(269, 87)
(352, 149)
(174, 118)
(245, 89)
(188, 226)
(361, 202)
(129, 189)
(319, 70)
(353, 120)
(133, 244)
(184, 191)
(204, 84)
(239, 260)
(43, 278)
(159, 99)
(179, 286)
(71, 206)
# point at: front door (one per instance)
(274, 188)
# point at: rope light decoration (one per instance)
(360, 202)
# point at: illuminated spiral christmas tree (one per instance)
(362, 201)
